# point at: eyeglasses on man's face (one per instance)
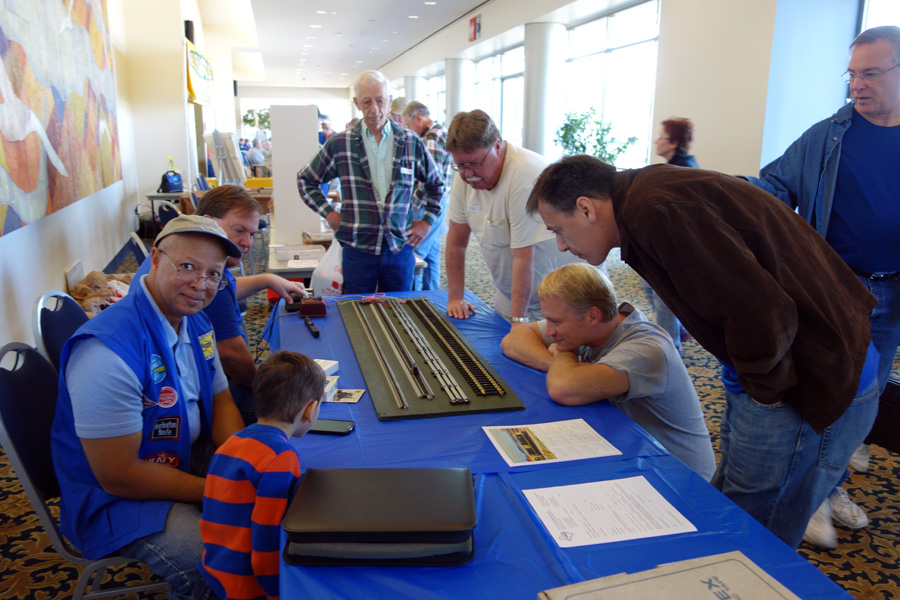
(187, 274)
(867, 75)
(474, 167)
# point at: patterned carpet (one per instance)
(866, 563)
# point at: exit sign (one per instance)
(474, 28)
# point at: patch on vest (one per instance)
(206, 342)
(164, 458)
(167, 428)
(157, 368)
(167, 397)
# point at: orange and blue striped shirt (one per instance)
(251, 479)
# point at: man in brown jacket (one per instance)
(760, 290)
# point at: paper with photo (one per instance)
(347, 396)
(548, 442)
(600, 512)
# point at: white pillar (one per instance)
(458, 72)
(545, 61)
(411, 83)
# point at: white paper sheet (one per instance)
(549, 442)
(606, 511)
(303, 263)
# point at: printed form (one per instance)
(606, 511)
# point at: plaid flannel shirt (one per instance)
(435, 138)
(363, 227)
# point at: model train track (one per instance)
(434, 362)
(468, 365)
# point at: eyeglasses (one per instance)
(870, 75)
(474, 167)
(187, 274)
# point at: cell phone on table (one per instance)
(332, 427)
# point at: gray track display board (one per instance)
(416, 364)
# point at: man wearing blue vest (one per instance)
(843, 177)
(143, 399)
(237, 213)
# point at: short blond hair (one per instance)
(581, 286)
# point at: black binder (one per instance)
(381, 517)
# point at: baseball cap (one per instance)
(198, 224)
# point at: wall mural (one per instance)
(59, 140)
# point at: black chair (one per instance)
(27, 404)
(166, 211)
(56, 317)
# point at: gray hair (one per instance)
(414, 109)
(369, 77)
(890, 33)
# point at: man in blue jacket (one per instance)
(143, 399)
(843, 177)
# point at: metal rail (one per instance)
(475, 373)
(434, 362)
(412, 369)
(393, 386)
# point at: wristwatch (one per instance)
(520, 320)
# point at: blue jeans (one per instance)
(369, 273)
(777, 468)
(885, 320)
(174, 553)
(430, 251)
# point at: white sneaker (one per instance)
(859, 462)
(820, 530)
(845, 511)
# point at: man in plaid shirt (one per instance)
(417, 117)
(377, 163)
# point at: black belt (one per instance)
(876, 276)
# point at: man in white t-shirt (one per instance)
(595, 349)
(517, 247)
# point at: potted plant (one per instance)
(584, 133)
(257, 118)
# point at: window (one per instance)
(435, 97)
(500, 91)
(612, 68)
(881, 12)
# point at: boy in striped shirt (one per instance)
(252, 478)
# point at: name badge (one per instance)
(405, 171)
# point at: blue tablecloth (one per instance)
(514, 554)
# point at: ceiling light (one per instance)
(321, 12)
(413, 16)
(431, 3)
(316, 26)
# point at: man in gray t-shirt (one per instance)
(593, 349)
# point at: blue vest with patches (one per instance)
(97, 522)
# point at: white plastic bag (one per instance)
(328, 277)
